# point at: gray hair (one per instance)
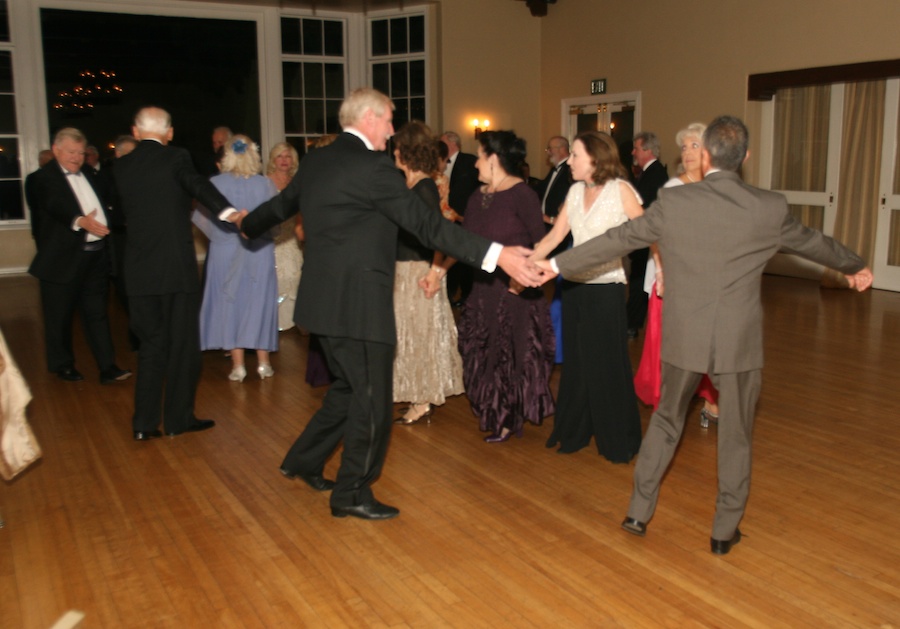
(359, 101)
(649, 141)
(562, 140)
(726, 140)
(70, 133)
(453, 136)
(241, 157)
(693, 130)
(153, 120)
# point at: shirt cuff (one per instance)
(224, 214)
(554, 266)
(75, 227)
(489, 264)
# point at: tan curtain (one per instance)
(857, 206)
(800, 161)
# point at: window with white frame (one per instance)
(397, 62)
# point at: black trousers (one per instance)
(87, 293)
(357, 410)
(169, 360)
(637, 298)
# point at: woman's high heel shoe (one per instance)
(504, 435)
(406, 420)
(265, 371)
(238, 374)
(707, 417)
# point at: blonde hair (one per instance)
(70, 133)
(360, 100)
(241, 157)
(695, 129)
(277, 150)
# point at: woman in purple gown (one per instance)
(240, 296)
(506, 339)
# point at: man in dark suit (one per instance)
(72, 261)
(156, 184)
(353, 203)
(651, 178)
(555, 186)
(713, 316)
(463, 176)
(34, 214)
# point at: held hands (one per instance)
(237, 218)
(91, 225)
(431, 283)
(861, 280)
(546, 270)
(516, 263)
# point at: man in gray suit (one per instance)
(713, 313)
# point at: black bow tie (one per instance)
(75, 174)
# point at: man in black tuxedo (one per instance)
(34, 213)
(555, 186)
(72, 262)
(156, 184)
(651, 178)
(463, 176)
(353, 203)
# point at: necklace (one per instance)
(489, 194)
(591, 184)
(688, 175)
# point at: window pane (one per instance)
(332, 108)
(417, 109)
(334, 80)
(312, 37)
(417, 33)
(292, 77)
(399, 83)
(417, 78)
(4, 21)
(290, 36)
(313, 81)
(299, 144)
(381, 80)
(399, 44)
(379, 37)
(11, 207)
(801, 138)
(334, 38)
(315, 117)
(6, 82)
(401, 114)
(293, 116)
(9, 158)
(7, 114)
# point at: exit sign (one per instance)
(598, 86)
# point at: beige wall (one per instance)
(690, 61)
(16, 250)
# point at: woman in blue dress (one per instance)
(240, 297)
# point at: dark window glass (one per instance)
(332, 109)
(401, 114)
(4, 21)
(399, 82)
(381, 79)
(399, 44)
(334, 80)
(312, 37)
(380, 38)
(293, 116)
(417, 78)
(334, 38)
(299, 144)
(315, 117)
(7, 114)
(417, 33)
(9, 158)
(313, 81)
(292, 77)
(11, 206)
(6, 78)
(417, 108)
(290, 36)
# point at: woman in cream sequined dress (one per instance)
(282, 165)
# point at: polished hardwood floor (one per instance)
(202, 530)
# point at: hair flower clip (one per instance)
(239, 147)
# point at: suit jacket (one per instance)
(352, 203)
(58, 245)
(463, 181)
(155, 185)
(652, 179)
(558, 191)
(31, 200)
(715, 238)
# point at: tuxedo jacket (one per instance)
(353, 201)
(558, 191)
(463, 181)
(715, 238)
(651, 180)
(58, 245)
(155, 186)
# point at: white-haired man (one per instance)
(353, 202)
(156, 184)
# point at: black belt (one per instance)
(95, 245)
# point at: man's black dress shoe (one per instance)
(114, 374)
(316, 481)
(723, 546)
(146, 435)
(69, 374)
(635, 527)
(371, 511)
(196, 426)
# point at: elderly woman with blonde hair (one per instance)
(239, 308)
(281, 168)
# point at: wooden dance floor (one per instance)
(203, 531)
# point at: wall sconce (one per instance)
(480, 125)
